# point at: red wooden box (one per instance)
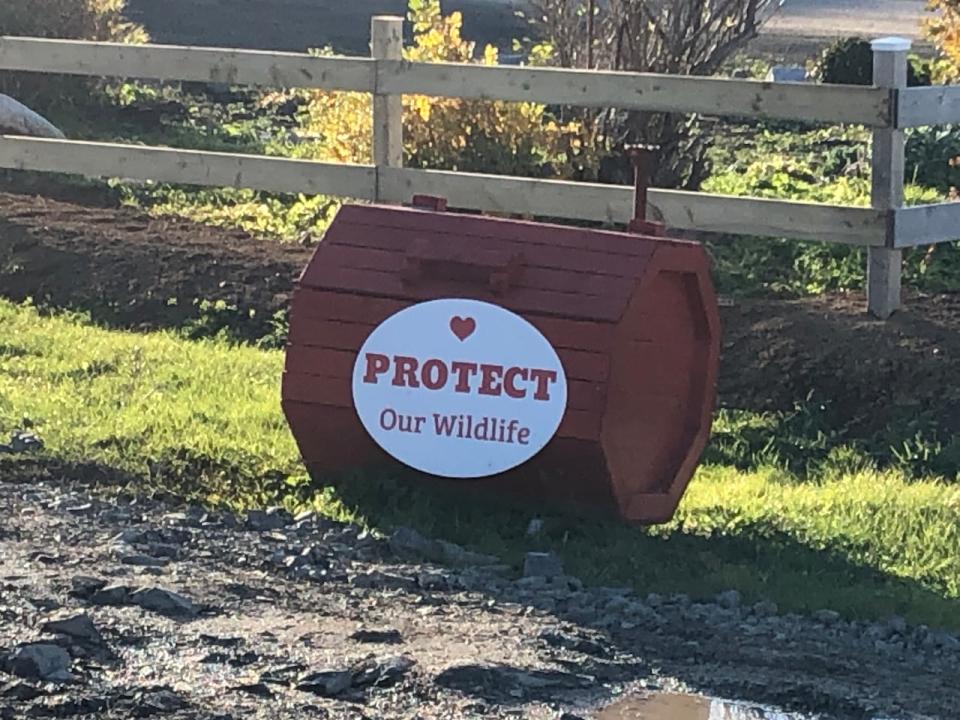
(634, 320)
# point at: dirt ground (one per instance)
(130, 608)
(129, 270)
(296, 25)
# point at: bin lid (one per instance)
(533, 268)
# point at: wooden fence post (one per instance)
(885, 265)
(387, 44)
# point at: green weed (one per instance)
(201, 420)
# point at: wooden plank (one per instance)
(532, 276)
(641, 91)
(920, 106)
(614, 204)
(397, 240)
(387, 44)
(498, 228)
(313, 304)
(369, 311)
(885, 265)
(605, 308)
(188, 167)
(319, 361)
(927, 225)
(173, 62)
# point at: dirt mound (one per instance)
(130, 270)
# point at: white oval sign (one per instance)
(459, 388)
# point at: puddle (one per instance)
(662, 706)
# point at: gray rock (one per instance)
(380, 672)
(898, 625)
(434, 581)
(765, 608)
(534, 583)
(164, 602)
(617, 604)
(142, 560)
(654, 600)
(22, 441)
(270, 519)
(381, 637)
(83, 586)
(40, 661)
(258, 689)
(78, 627)
(20, 691)
(827, 617)
(326, 683)
(382, 581)
(540, 564)
(407, 542)
(729, 599)
(111, 595)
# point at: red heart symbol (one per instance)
(463, 327)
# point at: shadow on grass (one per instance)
(758, 561)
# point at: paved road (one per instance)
(345, 24)
(869, 18)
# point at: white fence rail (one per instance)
(887, 107)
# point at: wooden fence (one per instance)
(888, 107)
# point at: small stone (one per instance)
(383, 637)
(898, 625)
(654, 600)
(540, 564)
(270, 519)
(20, 691)
(381, 672)
(83, 586)
(142, 560)
(163, 550)
(258, 689)
(408, 542)
(382, 581)
(617, 605)
(765, 608)
(111, 595)
(827, 617)
(534, 583)
(433, 581)
(729, 599)
(157, 701)
(164, 602)
(39, 661)
(78, 627)
(326, 683)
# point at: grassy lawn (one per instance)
(201, 420)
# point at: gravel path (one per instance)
(133, 608)
(829, 18)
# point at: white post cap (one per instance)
(891, 44)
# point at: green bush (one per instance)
(73, 19)
(850, 62)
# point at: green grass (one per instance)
(201, 420)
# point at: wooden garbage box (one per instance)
(633, 320)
